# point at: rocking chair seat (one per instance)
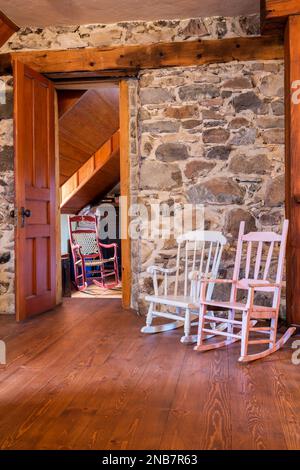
(181, 301)
(268, 312)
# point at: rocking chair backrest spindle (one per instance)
(264, 254)
(198, 251)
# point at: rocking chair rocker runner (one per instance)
(197, 250)
(88, 256)
(255, 278)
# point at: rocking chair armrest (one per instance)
(107, 245)
(256, 285)
(196, 276)
(152, 269)
(76, 247)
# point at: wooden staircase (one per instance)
(94, 179)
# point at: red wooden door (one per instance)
(34, 119)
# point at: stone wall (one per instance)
(138, 32)
(6, 196)
(213, 135)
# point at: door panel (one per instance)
(35, 192)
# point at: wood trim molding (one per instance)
(7, 28)
(292, 166)
(137, 57)
(125, 192)
(275, 13)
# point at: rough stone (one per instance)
(161, 126)
(5, 257)
(182, 112)
(246, 101)
(191, 123)
(196, 168)
(219, 190)
(273, 136)
(220, 152)
(239, 83)
(278, 107)
(270, 122)
(212, 115)
(215, 136)
(271, 218)
(6, 158)
(171, 152)
(134, 32)
(221, 28)
(249, 25)
(238, 122)
(6, 133)
(233, 219)
(272, 85)
(243, 137)
(214, 123)
(255, 164)
(6, 107)
(155, 96)
(156, 175)
(274, 194)
(198, 92)
(195, 27)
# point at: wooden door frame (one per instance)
(125, 193)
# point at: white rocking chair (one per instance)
(198, 251)
(261, 271)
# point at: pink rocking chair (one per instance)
(87, 252)
(252, 278)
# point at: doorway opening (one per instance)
(89, 180)
(84, 164)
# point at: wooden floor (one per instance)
(84, 377)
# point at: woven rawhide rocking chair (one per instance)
(90, 264)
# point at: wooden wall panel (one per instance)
(7, 28)
(67, 99)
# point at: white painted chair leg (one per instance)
(245, 334)
(149, 318)
(187, 338)
(151, 329)
(202, 312)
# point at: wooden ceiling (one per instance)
(87, 120)
(70, 12)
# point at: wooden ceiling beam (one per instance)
(151, 56)
(7, 28)
(274, 13)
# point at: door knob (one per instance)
(24, 213)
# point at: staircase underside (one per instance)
(87, 120)
(94, 179)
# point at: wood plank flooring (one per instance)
(84, 377)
